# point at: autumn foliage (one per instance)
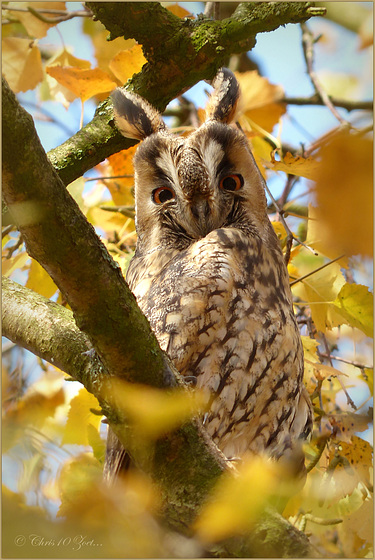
(53, 434)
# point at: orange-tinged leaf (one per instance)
(83, 83)
(118, 165)
(80, 417)
(40, 281)
(126, 63)
(295, 165)
(22, 63)
(356, 303)
(104, 50)
(260, 100)
(57, 91)
(344, 190)
(34, 26)
(178, 10)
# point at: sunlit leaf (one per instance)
(237, 501)
(344, 189)
(33, 25)
(356, 303)
(295, 165)
(83, 83)
(22, 63)
(126, 63)
(40, 281)
(320, 290)
(96, 443)
(120, 166)
(8, 266)
(260, 100)
(154, 412)
(347, 424)
(80, 417)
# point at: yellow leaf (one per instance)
(320, 290)
(357, 531)
(83, 83)
(8, 266)
(34, 26)
(317, 236)
(237, 501)
(154, 412)
(295, 165)
(78, 478)
(321, 371)
(309, 348)
(22, 63)
(40, 281)
(126, 63)
(359, 455)
(260, 100)
(80, 417)
(356, 303)
(346, 424)
(96, 443)
(344, 190)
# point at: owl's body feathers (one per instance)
(209, 274)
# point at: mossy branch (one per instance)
(180, 53)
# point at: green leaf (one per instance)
(355, 303)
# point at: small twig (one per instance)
(280, 213)
(308, 51)
(61, 15)
(349, 400)
(345, 361)
(317, 100)
(321, 446)
(127, 211)
(321, 521)
(316, 270)
(7, 230)
(109, 178)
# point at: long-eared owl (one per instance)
(209, 274)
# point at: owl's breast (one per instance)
(222, 310)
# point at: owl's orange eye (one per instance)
(162, 194)
(231, 183)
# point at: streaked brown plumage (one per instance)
(209, 274)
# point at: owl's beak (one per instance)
(202, 214)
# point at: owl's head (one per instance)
(186, 187)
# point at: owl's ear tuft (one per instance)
(134, 116)
(223, 101)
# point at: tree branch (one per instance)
(184, 464)
(180, 52)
